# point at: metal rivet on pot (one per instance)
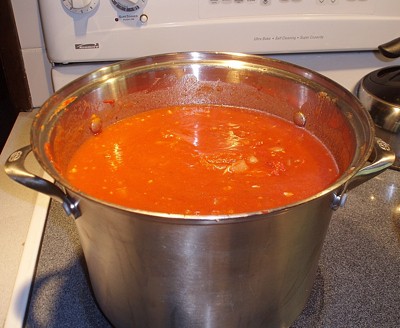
(95, 124)
(299, 119)
(338, 201)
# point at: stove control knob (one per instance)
(129, 5)
(80, 6)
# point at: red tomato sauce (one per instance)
(202, 160)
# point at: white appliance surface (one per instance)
(94, 30)
(334, 37)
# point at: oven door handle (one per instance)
(16, 170)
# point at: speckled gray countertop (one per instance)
(357, 283)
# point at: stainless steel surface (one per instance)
(157, 269)
(254, 273)
(379, 93)
(386, 115)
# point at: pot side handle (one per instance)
(16, 170)
(382, 157)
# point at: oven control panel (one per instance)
(108, 30)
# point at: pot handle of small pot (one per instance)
(16, 170)
(382, 157)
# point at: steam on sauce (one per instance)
(202, 160)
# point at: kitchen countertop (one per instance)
(357, 283)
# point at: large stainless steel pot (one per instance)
(165, 270)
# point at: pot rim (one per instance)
(112, 70)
